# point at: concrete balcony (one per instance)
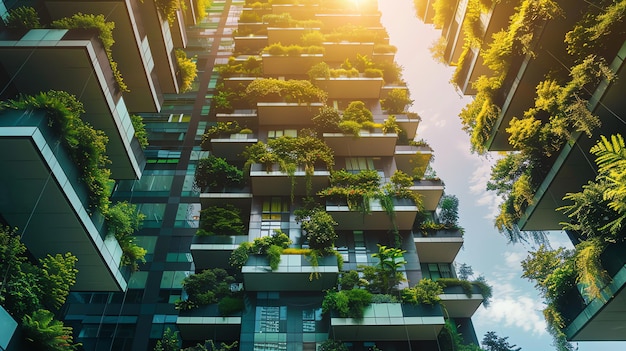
(202, 322)
(366, 144)
(331, 21)
(43, 197)
(338, 52)
(439, 245)
(413, 160)
(287, 113)
(161, 45)
(430, 191)
(287, 36)
(376, 219)
(571, 168)
(131, 50)
(232, 146)
(243, 117)
(351, 88)
(458, 304)
(286, 65)
(240, 197)
(43, 59)
(294, 273)
(237, 83)
(296, 11)
(601, 319)
(214, 251)
(250, 44)
(274, 182)
(391, 322)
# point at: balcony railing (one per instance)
(294, 273)
(391, 321)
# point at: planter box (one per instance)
(285, 65)
(205, 322)
(294, 273)
(390, 322)
(376, 219)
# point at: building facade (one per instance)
(281, 183)
(547, 82)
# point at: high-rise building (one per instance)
(285, 199)
(547, 77)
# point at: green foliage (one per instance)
(229, 305)
(293, 50)
(320, 70)
(220, 220)
(43, 332)
(250, 67)
(123, 220)
(347, 303)
(201, 9)
(444, 11)
(208, 286)
(332, 345)
(449, 210)
(451, 339)
(105, 30)
(24, 17)
(140, 130)
(273, 256)
(492, 342)
(270, 89)
(357, 111)
(320, 230)
(354, 33)
(216, 173)
(385, 276)
(57, 275)
(169, 341)
(327, 120)
(397, 100)
(187, 70)
(168, 9)
(425, 292)
(272, 246)
(85, 145)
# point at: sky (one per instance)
(515, 309)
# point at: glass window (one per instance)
(285, 132)
(173, 279)
(188, 215)
(435, 271)
(356, 164)
(154, 214)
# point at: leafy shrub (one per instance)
(216, 172)
(229, 305)
(187, 69)
(24, 17)
(220, 220)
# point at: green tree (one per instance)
(187, 70)
(320, 230)
(396, 101)
(449, 210)
(358, 112)
(465, 271)
(327, 120)
(390, 260)
(43, 332)
(492, 342)
(24, 17)
(57, 276)
(332, 345)
(169, 341)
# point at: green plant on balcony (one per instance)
(384, 277)
(275, 90)
(320, 230)
(385, 49)
(355, 34)
(140, 130)
(123, 220)
(43, 332)
(168, 9)
(220, 129)
(187, 70)
(249, 17)
(289, 154)
(220, 220)
(357, 117)
(347, 303)
(396, 101)
(450, 339)
(293, 50)
(24, 17)
(30, 291)
(600, 26)
(554, 274)
(444, 12)
(468, 286)
(216, 173)
(271, 245)
(425, 292)
(200, 7)
(332, 345)
(208, 287)
(105, 33)
(170, 342)
(252, 66)
(85, 145)
(327, 120)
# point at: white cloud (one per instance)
(478, 186)
(511, 310)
